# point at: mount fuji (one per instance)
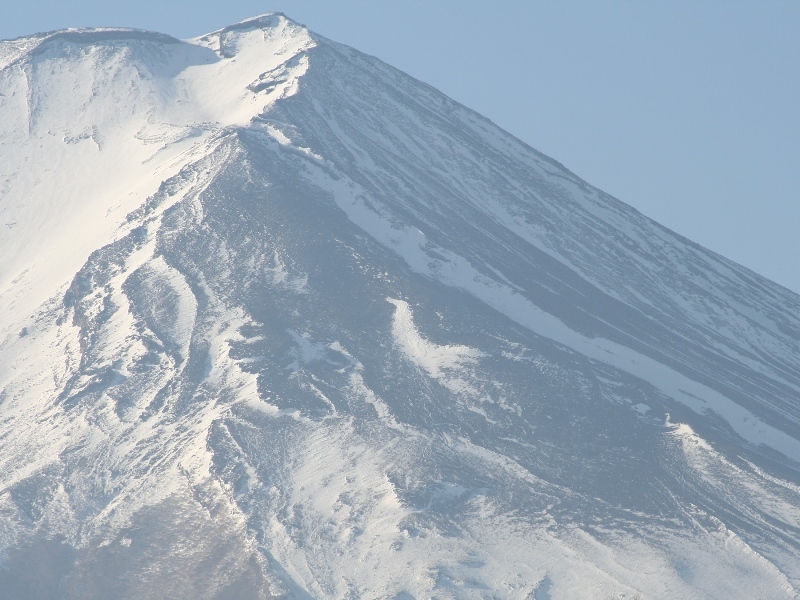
(279, 321)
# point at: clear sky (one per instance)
(689, 110)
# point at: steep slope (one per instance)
(279, 320)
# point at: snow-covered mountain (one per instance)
(277, 320)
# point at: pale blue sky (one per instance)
(689, 110)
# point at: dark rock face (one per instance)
(37, 570)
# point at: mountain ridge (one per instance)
(340, 320)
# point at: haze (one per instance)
(685, 110)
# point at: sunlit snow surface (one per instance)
(278, 320)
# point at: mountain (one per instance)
(278, 320)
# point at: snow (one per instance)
(453, 270)
(434, 358)
(265, 285)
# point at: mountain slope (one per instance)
(279, 320)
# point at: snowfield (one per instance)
(277, 320)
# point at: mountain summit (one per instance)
(278, 320)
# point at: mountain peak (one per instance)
(266, 20)
(278, 320)
(101, 35)
(229, 40)
(34, 45)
